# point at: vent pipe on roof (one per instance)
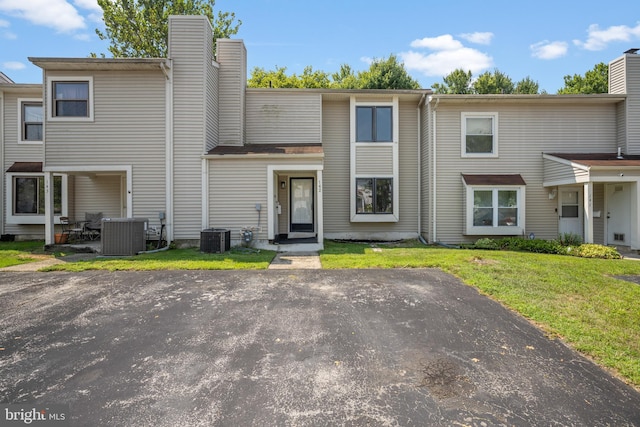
(619, 154)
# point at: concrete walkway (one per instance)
(296, 261)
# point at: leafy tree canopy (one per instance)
(382, 74)
(139, 28)
(593, 81)
(496, 82)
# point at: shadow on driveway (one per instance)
(296, 347)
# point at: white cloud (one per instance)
(448, 55)
(95, 11)
(13, 65)
(598, 39)
(478, 37)
(4, 24)
(549, 50)
(444, 42)
(57, 14)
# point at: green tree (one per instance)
(527, 86)
(139, 28)
(345, 78)
(493, 83)
(456, 82)
(593, 81)
(386, 74)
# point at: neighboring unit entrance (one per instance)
(570, 212)
(618, 214)
(301, 205)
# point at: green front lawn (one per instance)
(14, 253)
(577, 299)
(175, 259)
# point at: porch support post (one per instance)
(588, 212)
(320, 209)
(49, 227)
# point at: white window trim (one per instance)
(497, 230)
(35, 218)
(392, 217)
(20, 129)
(463, 139)
(50, 98)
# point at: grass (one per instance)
(15, 253)
(577, 299)
(175, 259)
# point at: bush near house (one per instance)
(565, 245)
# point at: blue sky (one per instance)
(545, 40)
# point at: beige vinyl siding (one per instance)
(524, 134)
(234, 206)
(94, 194)
(232, 57)
(425, 168)
(191, 51)
(128, 129)
(556, 171)
(633, 103)
(213, 115)
(336, 175)
(335, 142)
(621, 125)
(374, 161)
(616, 76)
(281, 117)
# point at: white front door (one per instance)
(570, 212)
(618, 214)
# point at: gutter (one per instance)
(418, 109)
(168, 149)
(434, 222)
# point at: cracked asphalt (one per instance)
(290, 348)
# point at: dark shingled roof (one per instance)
(26, 167)
(599, 159)
(222, 150)
(493, 179)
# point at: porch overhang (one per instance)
(580, 168)
(266, 150)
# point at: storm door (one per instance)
(301, 205)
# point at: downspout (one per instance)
(168, 73)
(434, 186)
(418, 109)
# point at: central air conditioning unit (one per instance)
(123, 236)
(215, 240)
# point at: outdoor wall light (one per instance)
(553, 193)
(283, 185)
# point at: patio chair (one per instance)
(93, 225)
(71, 229)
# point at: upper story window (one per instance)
(31, 115)
(479, 134)
(374, 124)
(71, 98)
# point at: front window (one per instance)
(71, 99)
(479, 135)
(495, 208)
(374, 195)
(374, 124)
(28, 194)
(31, 121)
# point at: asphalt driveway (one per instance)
(301, 347)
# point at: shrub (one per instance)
(534, 245)
(590, 250)
(485, 244)
(570, 239)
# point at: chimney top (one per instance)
(632, 51)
